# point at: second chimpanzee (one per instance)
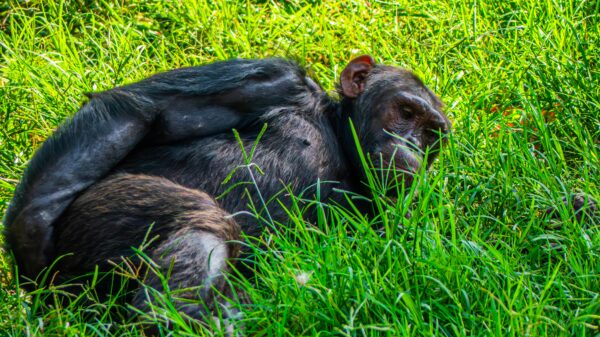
(157, 152)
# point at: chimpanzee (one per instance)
(155, 153)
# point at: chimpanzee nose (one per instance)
(446, 126)
(439, 122)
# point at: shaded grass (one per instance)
(520, 80)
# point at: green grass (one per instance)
(520, 81)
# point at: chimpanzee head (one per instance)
(398, 120)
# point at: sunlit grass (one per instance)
(521, 84)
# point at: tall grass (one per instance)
(521, 84)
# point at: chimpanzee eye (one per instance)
(407, 112)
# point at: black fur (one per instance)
(156, 151)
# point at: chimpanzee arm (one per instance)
(202, 101)
(184, 103)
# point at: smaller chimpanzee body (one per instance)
(154, 154)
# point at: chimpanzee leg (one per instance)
(188, 236)
(195, 261)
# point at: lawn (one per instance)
(520, 82)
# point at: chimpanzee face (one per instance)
(402, 121)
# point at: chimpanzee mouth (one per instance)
(412, 147)
(405, 145)
(407, 156)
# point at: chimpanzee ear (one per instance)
(353, 76)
